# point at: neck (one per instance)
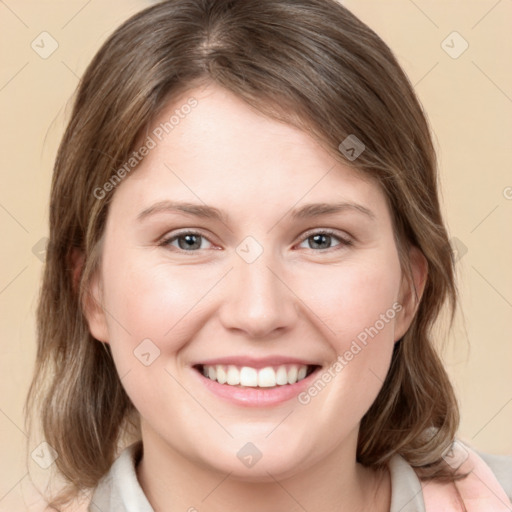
(336, 482)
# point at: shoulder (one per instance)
(501, 466)
(406, 488)
(489, 482)
(481, 484)
(119, 490)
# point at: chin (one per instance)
(260, 460)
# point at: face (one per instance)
(241, 250)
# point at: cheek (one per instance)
(358, 308)
(352, 297)
(153, 311)
(161, 303)
(358, 304)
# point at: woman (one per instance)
(246, 260)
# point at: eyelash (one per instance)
(343, 241)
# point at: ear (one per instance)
(411, 291)
(93, 300)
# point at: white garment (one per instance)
(120, 491)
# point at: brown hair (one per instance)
(310, 63)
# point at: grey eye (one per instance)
(188, 241)
(320, 241)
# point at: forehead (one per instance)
(223, 150)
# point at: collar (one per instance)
(120, 491)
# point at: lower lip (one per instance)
(256, 397)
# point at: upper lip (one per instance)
(255, 362)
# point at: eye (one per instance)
(188, 241)
(323, 240)
(191, 241)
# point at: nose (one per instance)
(258, 301)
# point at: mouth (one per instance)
(268, 377)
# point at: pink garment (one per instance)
(478, 492)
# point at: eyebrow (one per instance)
(317, 209)
(198, 210)
(209, 212)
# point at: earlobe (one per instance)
(94, 312)
(411, 291)
(92, 302)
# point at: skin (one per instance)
(295, 299)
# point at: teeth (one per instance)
(220, 374)
(281, 376)
(293, 373)
(233, 376)
(267, 377)
(302, 372)
(246, 376)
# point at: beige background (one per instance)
(468, 100)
